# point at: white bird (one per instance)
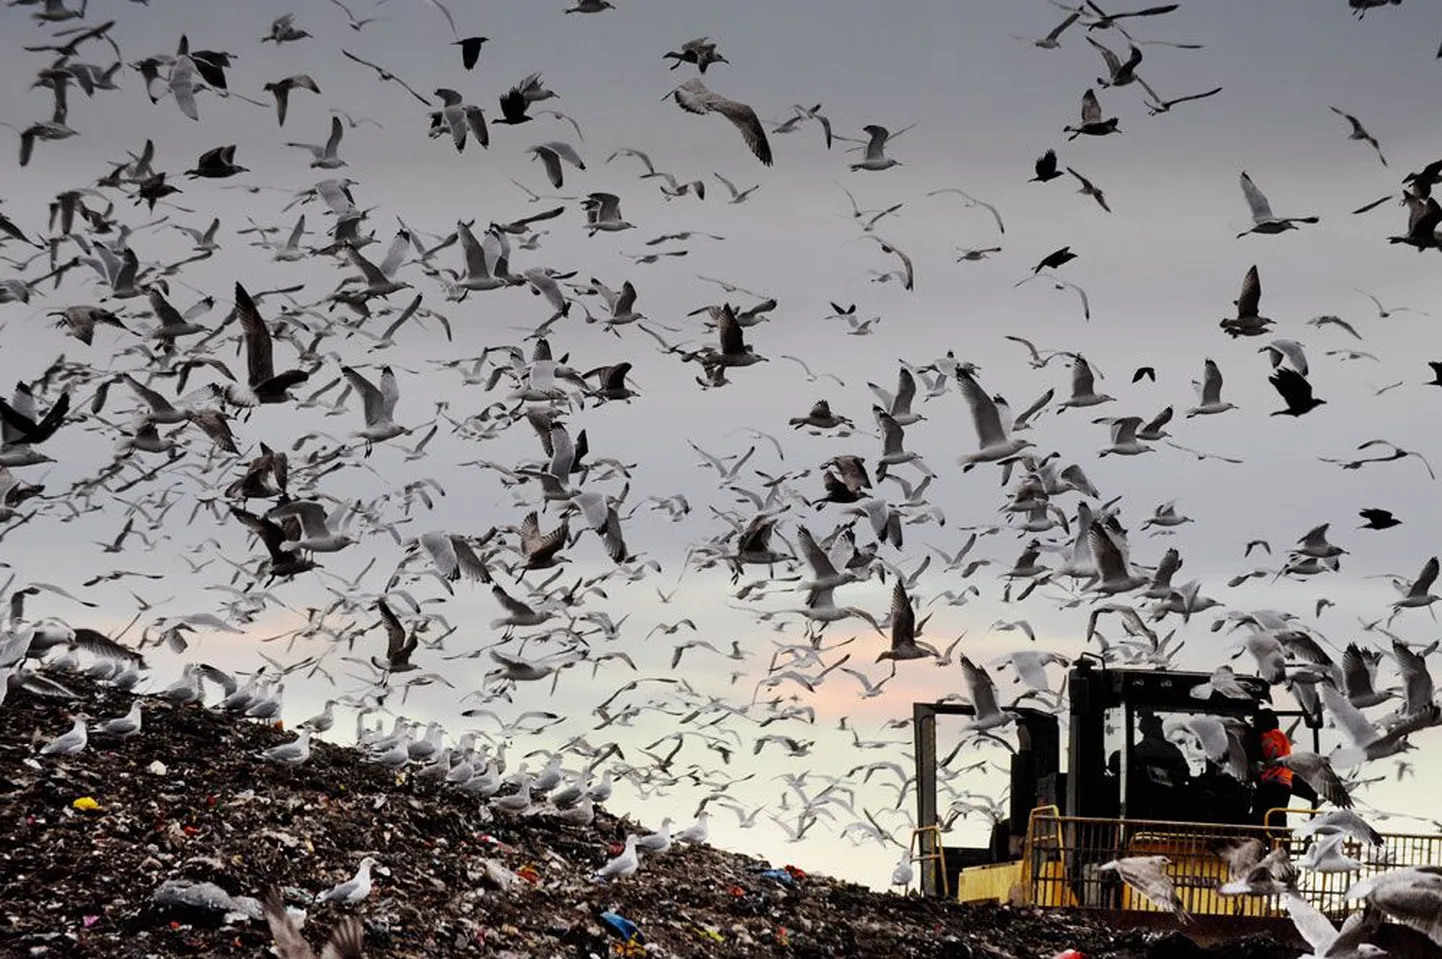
(1289, 350)
(876, 158)
(1318, 773)
(696, 833)
(1326, 940)
(1148, 876)
(993, 440)
(460, 118)
(1326, 855)
(293, 753)
(182, 86)
(981, 690)
(1263, 220)
(1210, 390)
(1124, 438)
(603, 214)
(1083, 386)
(898, 405)
(1343, 821)
(904, 873)
(625, 864)
(1222, 682)
(316, 533)
(379, 404)
(656, 842)
(737, 196)
(693, 97)
(326, 157)
(68, 743)
(551, 153)
(120, 727)
(1412, 896)
(354, 890)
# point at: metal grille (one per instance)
(1063, 856)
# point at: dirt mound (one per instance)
(92, 838)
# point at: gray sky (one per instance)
(1160, 271)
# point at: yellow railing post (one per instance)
(939, 856)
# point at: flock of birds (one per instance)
(561, 548)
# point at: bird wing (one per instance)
(1426, 579)
(980, 688)
(903, 617)
(374, 403)
(820, 563)
(1250, 299)
(1082, 381)
(1111, 562)
(1211, 382)
(1261, 209)
(395, 632)
(1311, 924)
(984, 415)
(289, 943)
(1358, 727)
(258, 347)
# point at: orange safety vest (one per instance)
(1274, 746)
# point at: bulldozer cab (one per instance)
(1126, 759)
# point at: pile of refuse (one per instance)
(165, 844)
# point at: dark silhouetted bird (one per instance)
(1436, 373)
(1378, 519)
(1046, 168)
(1296, 392)
(1054, 260)
(470, 50)
(513, 107)
(1144, 372)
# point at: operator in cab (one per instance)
(1275, 784)
(1162, 769)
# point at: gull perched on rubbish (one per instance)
(293, 753)
(68, 743)
(120, 727)
(353, 890)
(625, 864)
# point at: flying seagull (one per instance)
(1263, 220)
(693, 97)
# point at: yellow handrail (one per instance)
(939, 856)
